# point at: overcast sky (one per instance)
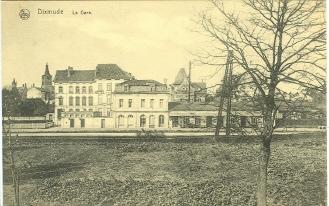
(152, 40)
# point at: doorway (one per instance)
(103, 123)
(82, 123)
(71, 123)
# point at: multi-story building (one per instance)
(108, 97)
(181, 89)
(141, 104)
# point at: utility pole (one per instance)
(226, 93)
(189, 82)
(229, 95)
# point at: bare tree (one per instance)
(277, 42)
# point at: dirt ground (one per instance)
(182, 171)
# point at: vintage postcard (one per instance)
(186, 102)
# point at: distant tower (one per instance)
(14, 83)
(46, 80)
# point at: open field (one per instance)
(180, 171)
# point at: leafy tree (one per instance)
(10, 102)
(33, 107)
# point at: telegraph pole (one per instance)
(189, 82)
(229, 95)
(226, 93)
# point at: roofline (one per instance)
(74, 81)
(141, 92)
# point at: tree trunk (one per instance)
(264, 157)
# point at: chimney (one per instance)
(33, 85)
(69, 70)
(165, 80)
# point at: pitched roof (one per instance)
(196, 106)
(111, 71)
(181, 75)
(136, 82)
(200, 85)
(75, 76)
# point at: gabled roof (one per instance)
(75, 76)
(181, 75)
(111, 71)
(136, 82)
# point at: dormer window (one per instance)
(126, 88)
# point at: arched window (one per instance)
(77, 89)
(90, 101)
(142, 121)
(90, 89)
(77, 101)
(161, 120)
(84, 90)
(130, 121)
(151, 121)
(121, 123)
(60, 101)
(84, 101)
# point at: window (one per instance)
(70, 110)
(90, 89)
(151, 103)
(90, 110)
(60, 89)
(77, 110)
(71, 89)
(70, 101)
(77, 89)
(109, 114)
(100, 87)
(130, 103)
(77, 101)
(109, 99)
(151, 121)
(142, 121)
(84, 90)
(161, 103)
(84, 101)
(161, 121)
(109, 87)
(100, 99)
(142, 103)
(130, 121)
(126, 88)
(121, 119)
(60, 101)
(120, 103)
(90, 101)
(254, 121)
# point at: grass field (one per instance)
(180, 171)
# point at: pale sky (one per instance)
(152, 40)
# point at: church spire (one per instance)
(47, 70)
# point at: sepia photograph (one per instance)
(167, 102)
